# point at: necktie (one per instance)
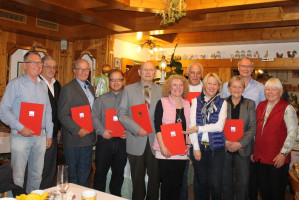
(147, 96)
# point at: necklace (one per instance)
(179, 120)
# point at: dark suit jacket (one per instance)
(248, 114)
(54, 106)
(72, 95)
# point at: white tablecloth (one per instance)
(77, 190)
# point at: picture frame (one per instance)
(117, 63)
(295, 74)
(20, 69)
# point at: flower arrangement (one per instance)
(173, 11)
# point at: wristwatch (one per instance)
(285, 154)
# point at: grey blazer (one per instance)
(72, 95)
(248, 114)
(133, 95)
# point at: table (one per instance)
(77, 190)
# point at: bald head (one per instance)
(147, 72)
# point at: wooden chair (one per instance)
(294, 183)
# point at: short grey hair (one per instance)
(78, 61)
(245, 58)
(236, 78)
(45, 58)
(194, 63)
(274, 82)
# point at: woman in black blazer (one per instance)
(237, 154)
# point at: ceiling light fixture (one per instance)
(153, 47)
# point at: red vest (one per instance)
(270, 139)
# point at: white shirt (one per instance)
(50, 85)
(218, 126)
(197, 88)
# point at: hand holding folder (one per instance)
(82, 116)
(233, 129)
(112, 124)
(140, 115)
(31, 116)
(173, 138)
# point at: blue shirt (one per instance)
(23, 89)
(253, 91)
(87, 92)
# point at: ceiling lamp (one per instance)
(153, 47)
(173, 11)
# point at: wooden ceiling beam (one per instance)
(74, 11)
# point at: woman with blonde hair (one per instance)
(172, 108)
(208, 115)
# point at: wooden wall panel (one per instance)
(10, 42)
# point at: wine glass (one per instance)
(62, 179)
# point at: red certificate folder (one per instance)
(141, 116)
(173, 138)
(31, 116)
(233, 129)
(82, 116)
(112, 123)
(192, 95)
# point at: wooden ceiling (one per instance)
(207, 21)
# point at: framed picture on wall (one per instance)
(20, 70)
(295, 74)
(117, 63)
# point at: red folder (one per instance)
(82, 116)
(192, 95)
(112, 123)
(173, 138)
(31, 116)
(141, 116)
(233, 129)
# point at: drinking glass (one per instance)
(62, 179)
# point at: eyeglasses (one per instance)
(246, 66)
(116, 80)
(50, 67)
(83, 70)
(34, 62)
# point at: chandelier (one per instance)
(153, 47)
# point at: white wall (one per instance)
(124, 49)
(15, 58)
(226, 50)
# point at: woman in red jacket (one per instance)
(274, 139)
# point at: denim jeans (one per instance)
(209, 172)
(31, 150)
(110, 153)
(78, 160)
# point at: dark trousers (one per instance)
(110, 153)
(139, 165)
(78, 160)
(49, 165)
(171, 177)
(233, 160)
(272, 181)
(184, 190)
(253, 181)
(209, 172)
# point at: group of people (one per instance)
(258, 160)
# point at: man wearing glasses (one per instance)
(110, 151)
(77, 142)
(254, 91)
(47, 75)
(26, 147)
